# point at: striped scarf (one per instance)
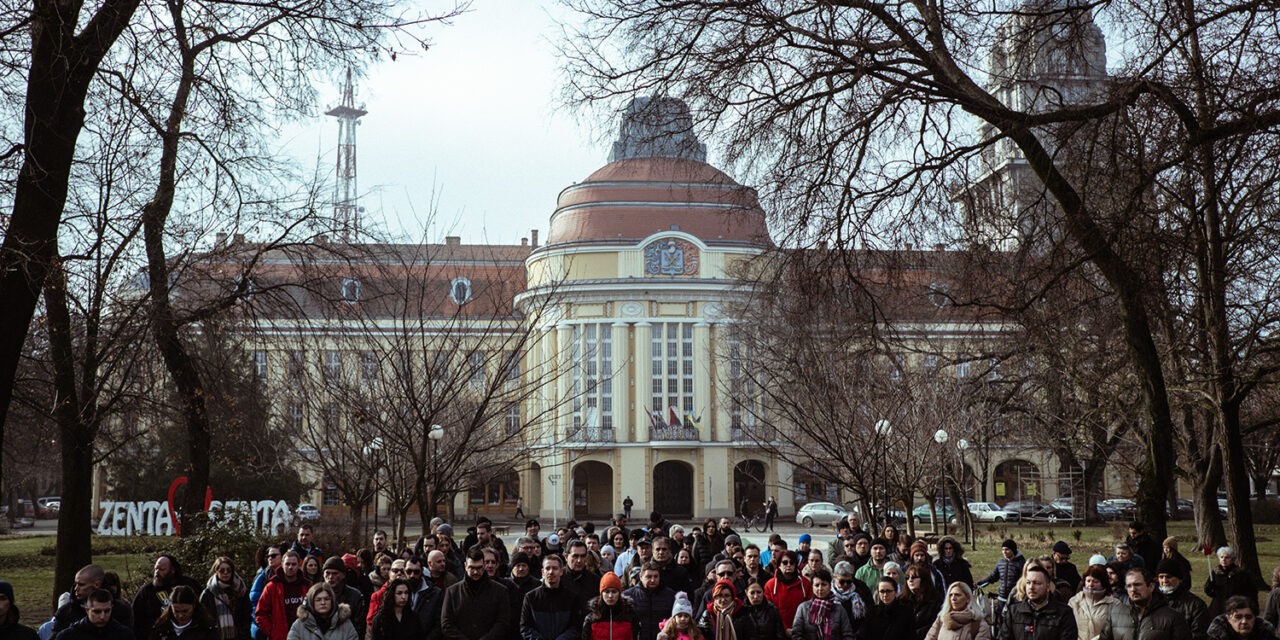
(820, 616)
(222, 600)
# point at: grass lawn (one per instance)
(27, 562)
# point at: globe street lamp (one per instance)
(941, 437)
(434, 435)
(883, 429)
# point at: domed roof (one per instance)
(657, 180)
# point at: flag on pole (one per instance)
(673, 416)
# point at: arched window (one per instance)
(351, 290)
(460, 290)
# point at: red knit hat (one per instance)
(724, 584)
(610, 581)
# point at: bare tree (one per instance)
(857, 118)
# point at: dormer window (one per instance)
(460, 291)
(351, 290)
(247, 286)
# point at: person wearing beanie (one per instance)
(803, 546)
(1170, 550)
(1177, 593)
(680, 625)
(1007, 572)
(787, 588)
(335, 574)
(10, 629)
(718, 618)
(610, 616)
(871, 572)
(1064, 569)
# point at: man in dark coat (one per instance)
(477, 607)
(1039, 617)
(652, 599)
(88, 580)
(153, 597)
(583, 581)
(1177, 592)
(1063, 568)
(335, 574)
(1142, 545)
(97, 623)
(10, 629)
(551, 611)
(426, 600)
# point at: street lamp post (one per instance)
(968, 517)
(434, 435)
(883, 429)
(941, 437)
(374, 449)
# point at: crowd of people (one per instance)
(665, 582)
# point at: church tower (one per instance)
(1047, 55)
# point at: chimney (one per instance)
(937, 246)
(452, 241)
(220, 241)
(533, 238)
(238, 239)
(524, 242)
(909, 246)
(322, 239)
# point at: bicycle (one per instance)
(755, 520)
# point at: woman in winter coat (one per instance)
(1229, 579)
(720, 619)
(226, 600)
(959, 619)
(611, 616)
(851, 593)
(821, 617)
(321, 617)
(925, 601)
(395, 620)
(759, 619)
(953, 566)
(183, 618)
(1091, 605)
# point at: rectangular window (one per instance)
(592, 354)
(295, 365)
(329, 416)
(368, 367)
(671, 382)
(260, 365)
(332, 366)
(330, 497)
(475, 362)
(293, 416)
(930, 363)
(744, 402)
(963, 370)
(512, 418)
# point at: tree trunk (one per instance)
(62, 67)
(77, 431)
(1209, 529)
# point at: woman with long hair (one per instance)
(924, 599)
(183, 618)
(311, 568)
(959, 619)
(759, 618)
(395, 620)
(1093, 602)
(226, 599)
(610, 616)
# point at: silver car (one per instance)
(991, 512)
(820, 513)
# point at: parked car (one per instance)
(820, 513)
(922, 514)
(1024, 508)
(48, 506)
(1051, 513)
(991, 512)
(1185, 511)
(307, 512)
(1123, 508)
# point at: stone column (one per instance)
(702, 368)
(621, 356)
(564, 382)
(643, 365)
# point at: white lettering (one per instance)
(152, 517)
(104, 528)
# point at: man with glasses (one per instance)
(1240, 622)
(787, 588)
(732, 547)
(584, 582)
(854, 596)
(476, 608)
(375, 600)
(1146, 616)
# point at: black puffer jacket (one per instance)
(1053, 621)
(1220, 629)
(1224, 584)
(1192, 609)
(760, 622)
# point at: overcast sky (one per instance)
(469, 127)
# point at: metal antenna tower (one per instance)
(346, 212)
